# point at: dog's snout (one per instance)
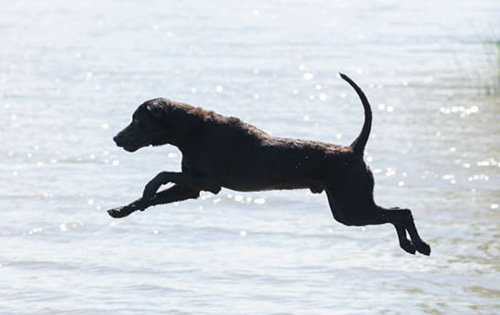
(118, 139)
(125, 141)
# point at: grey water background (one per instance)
(72, 73)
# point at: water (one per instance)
(72, 74)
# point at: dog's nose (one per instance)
(118, 140)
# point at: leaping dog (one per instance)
(219, 151)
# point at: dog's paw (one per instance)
(121, 212)
(424, 248)
(408, 247)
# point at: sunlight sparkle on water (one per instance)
(63, 227)
(259, 201)
(461, 110)
(479, 177)
(308, 76)
(35, 231)
(488, 162)
(390, 171)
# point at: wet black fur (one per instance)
(219, 151)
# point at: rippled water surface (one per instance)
(71, 75)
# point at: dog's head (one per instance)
(155, 122)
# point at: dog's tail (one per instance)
(358, 145)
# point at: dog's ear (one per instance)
(155, 109)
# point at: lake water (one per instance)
(71, 74)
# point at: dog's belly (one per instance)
(275, 174)
(251, 185)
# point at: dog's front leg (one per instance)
(183, 179)
(172, 194)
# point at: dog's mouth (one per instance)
(130, 148)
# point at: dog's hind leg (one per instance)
(356, 212)
(172, 194)
(403, 219)
(404, 242)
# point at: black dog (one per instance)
(220, 151)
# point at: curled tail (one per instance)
(358, 145)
